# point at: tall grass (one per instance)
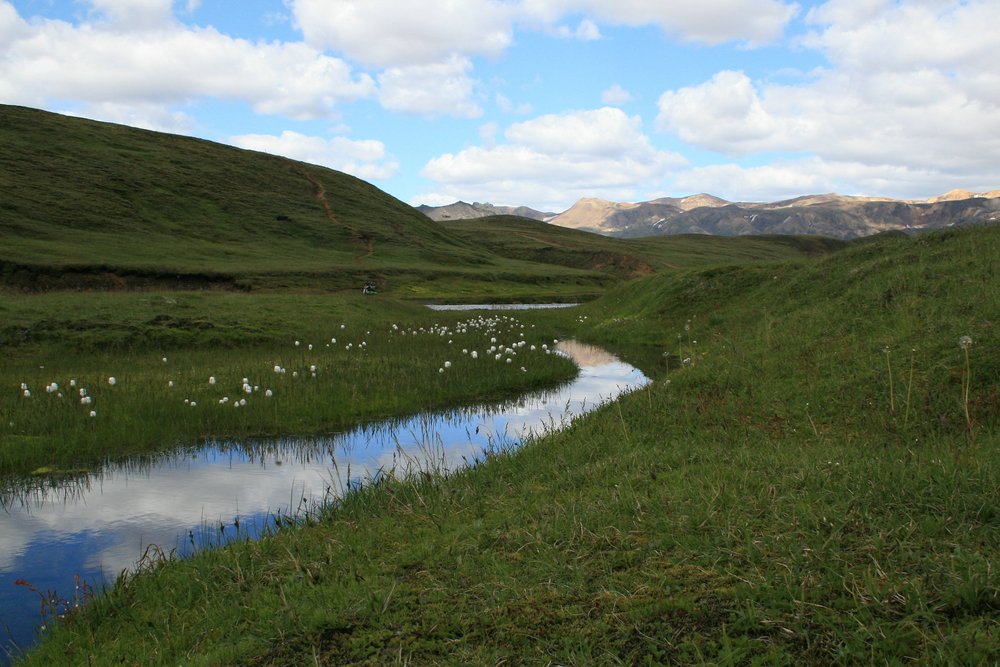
(321, 371)
(765, 506)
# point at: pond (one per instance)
(94, 527)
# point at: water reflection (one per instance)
(97, 525)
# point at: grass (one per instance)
(95, 206)
(781, 495)
(182, 361)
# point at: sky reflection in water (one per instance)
(100, 525)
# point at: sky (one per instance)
(542, 102)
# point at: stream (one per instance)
(57, 536)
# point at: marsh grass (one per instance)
(762, 507)
(371, 371)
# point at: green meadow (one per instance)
(811, 479)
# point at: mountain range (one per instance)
(461, 210)
(830, 215)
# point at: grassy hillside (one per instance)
(530, 240)
(812, 480)
(99, 206)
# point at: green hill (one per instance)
(811, 480)
(85, 204)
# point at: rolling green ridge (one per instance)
(811, 480)
(89, 205)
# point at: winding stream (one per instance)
(101, 524)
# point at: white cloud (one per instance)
(365, 158)
(134, 14)
(911, 92)
(587, 31)
(437, 89)
(389, 33)
(724, 114)
(172, 65)
(551, 161)
(706, 21)
(616, 96)
(506, 106)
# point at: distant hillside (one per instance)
(831, 215)
(461, 210)
(535, 241)
(96, 206)
(90, 205)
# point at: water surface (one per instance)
(100, 524)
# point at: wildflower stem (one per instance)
(892, 398)
(909, 386)
(966, 382)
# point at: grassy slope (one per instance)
(98, 206)
(534, 241)
(805, 490)
(81, 200)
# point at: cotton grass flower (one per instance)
(112, 381)
(86, 400)
(268, 393)
(965, 342)
(93, 413)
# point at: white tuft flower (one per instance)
(93, 413)
(193, 404)
(112, 381)
(86, 400)
(269, 393)
(27, 393)
(297, 343)
(164, 360)
(170, 383)
(474, 354)
(211, 379)
(965, 342)
(447, 364)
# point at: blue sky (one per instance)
(542, 102)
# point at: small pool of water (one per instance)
(97, 526)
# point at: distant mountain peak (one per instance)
(461, 210)
(830, 214)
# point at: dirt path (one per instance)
(363, 243)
